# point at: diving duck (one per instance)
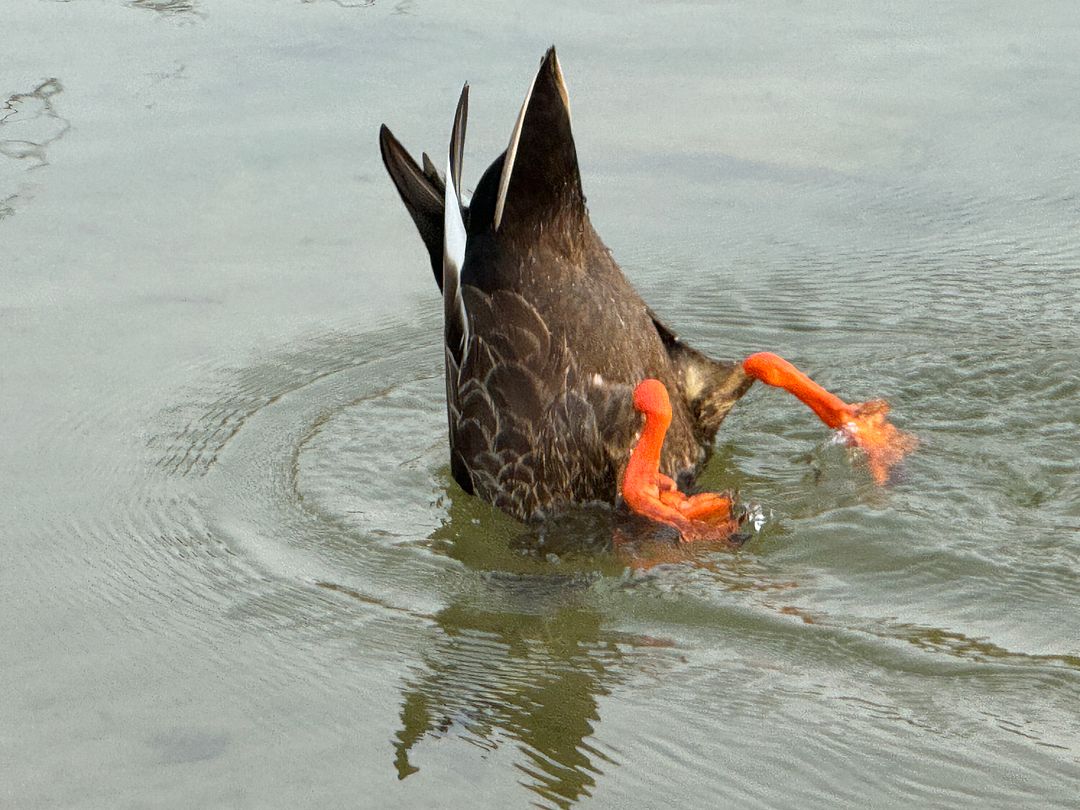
(562, 386)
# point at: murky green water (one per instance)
(234, 571)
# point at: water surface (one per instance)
(235, 571)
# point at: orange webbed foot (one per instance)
(862, 424)
(707, 506)
(884, 444)
(654, 495)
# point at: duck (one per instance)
(563, 386)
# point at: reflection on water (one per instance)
(29, 125)
(185, 10)
(158, 78)
(531, 679)
(182, 11)
(525, 654)
(935, 639)
(525, 648)
(521, 658)
(345, 3)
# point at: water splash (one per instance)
(883, 443)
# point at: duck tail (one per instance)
(422, 190)
(536, 180)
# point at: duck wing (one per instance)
(531, 431)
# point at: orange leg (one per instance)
(654, 495)
(862, 423)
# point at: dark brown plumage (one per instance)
(545, 337)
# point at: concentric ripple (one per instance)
(313, 487)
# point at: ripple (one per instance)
(312, 488)
(29, 127)
(375, 465)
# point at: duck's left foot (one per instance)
(862, 424)
(885, 445)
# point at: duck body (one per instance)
(545, 337)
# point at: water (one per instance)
(235, 572)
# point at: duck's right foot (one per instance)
(650, 493)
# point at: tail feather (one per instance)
(456, 324)
(422, 192)
(457, 142)
(539, 177)
(434, 175)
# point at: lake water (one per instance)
(234, 570)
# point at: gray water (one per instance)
(235, 572)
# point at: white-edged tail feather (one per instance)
(511, 154)
(456, 323)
